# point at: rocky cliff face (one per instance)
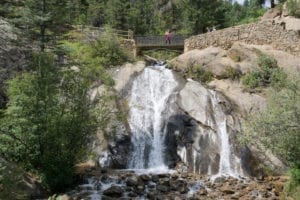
(236, 103)
(112, 144)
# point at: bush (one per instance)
(47, 122)
(293, 7)
(107, 48)
(293, 186)
(253, 80)
(198, 73)
(268, 74)
(277, 129)
(277, 126)
(232, 73)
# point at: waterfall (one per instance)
(148, 102)
(228, 162)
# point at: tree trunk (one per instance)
(43, 28)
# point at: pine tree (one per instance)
(46, 124)
(45, 19)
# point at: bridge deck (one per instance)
(158, 41)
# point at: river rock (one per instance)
(227, 190)
(179, 185)
(202, 191)
(155, 178)
(163, 188)
(132, 181)
(164, 181)
(145, 177)
(113, 191)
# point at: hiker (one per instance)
(168, 37)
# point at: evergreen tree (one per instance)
(117, 12)
(47, 122)
(45, 19)
(202, 13)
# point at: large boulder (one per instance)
(243, 101)
(196, 57)
(124, 75)
(196, 131)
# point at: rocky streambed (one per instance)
(125, 184)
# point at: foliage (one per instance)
(268, 74)
(232, 73)
(253, 80)
(44, 19)
(237, 14)
(109, 51)
(97, 55)
(293, 186)
(198, 73)
(277, 127)
(293, 7)
(47, 122)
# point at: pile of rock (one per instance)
(128, 185)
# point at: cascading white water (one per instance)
(228, 161)
(148, 110)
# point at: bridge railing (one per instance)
(159, 40)
(120, 33)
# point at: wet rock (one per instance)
(163, 175)
(237, 195)
(202, 191)
(132, 181)
(152, 195)
(151, 185)
(227, 190)
(164, 181)
(221, 179)
(278, 188)
(106, 179)
(163, 188)
(113, 191)
(145, 177)
(155, 178)
(103, 197)
(132, 194)
(140, 189)
(179, 185)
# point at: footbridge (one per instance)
(134, 43)
(137, 44)
(153, 42)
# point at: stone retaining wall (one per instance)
(263, 32)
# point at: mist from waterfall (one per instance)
(149, 109)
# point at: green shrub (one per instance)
(292, 188)
(232, 73)
(278, 78)
(252, 80)
(268, 74)
(48, 121)
(109, 50)
(293, 7)
(198, 73)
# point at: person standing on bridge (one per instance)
(168, 37)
